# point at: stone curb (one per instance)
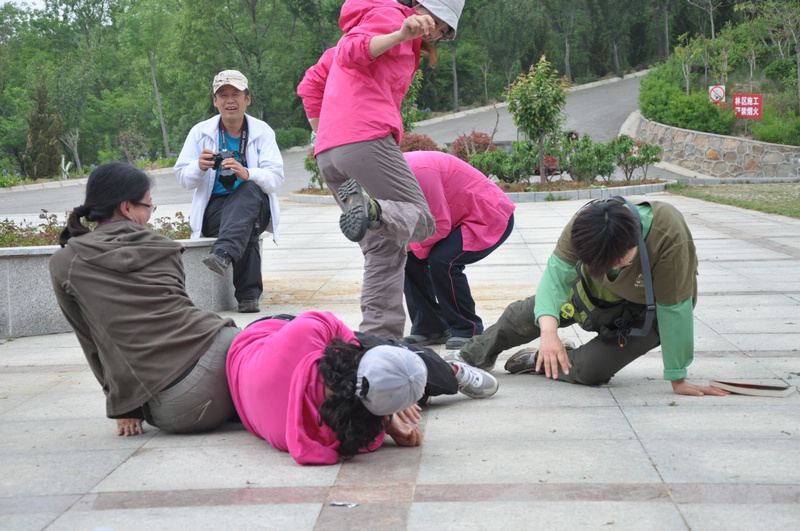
(529, 197)
(66, 182)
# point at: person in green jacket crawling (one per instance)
(627, 272)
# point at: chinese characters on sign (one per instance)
(748, 106)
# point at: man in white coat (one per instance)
(234, 166)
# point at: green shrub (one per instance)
(588, 160)
(663, 100)
(783, 71)
(777, 127)
(311, 166)
(630, 154)
(296, 136)
(517, 166)
(492, 163)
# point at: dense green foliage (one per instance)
(758, 55)
(128, 78)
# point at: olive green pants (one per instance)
(593, 363)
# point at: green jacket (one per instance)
(673, 264)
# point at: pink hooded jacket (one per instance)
(356, 96)
(277, 389)
(459, 196)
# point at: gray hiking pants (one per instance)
(202, 400)
(593, 363)
(380, 168)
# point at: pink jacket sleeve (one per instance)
(353, 47)
(312, 87)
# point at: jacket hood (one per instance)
(123, 247)
(353, 11)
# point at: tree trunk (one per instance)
(455, 76)
(615, 56)
(711, 15)
(797, 57)
(542, 169)
(70, 141)
(666, 30)
(567, 69)
(167, 152)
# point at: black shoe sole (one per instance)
(215, 264)
(354, 220)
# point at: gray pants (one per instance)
(592, 364)
(202, 400)
(380, 168)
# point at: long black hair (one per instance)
(108, 186)
(355, 426)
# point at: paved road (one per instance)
(598, 112)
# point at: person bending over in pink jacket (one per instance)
(312, 387)
(473, 218)
(352, 98)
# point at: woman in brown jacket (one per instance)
(156, 355)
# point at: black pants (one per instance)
(437, 291)
(237, 220)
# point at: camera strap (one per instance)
(242, 140)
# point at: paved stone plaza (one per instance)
(538, 455)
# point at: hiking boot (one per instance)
(421, 340)
(218, 263)
(249, 306)
(473, 382)
(455, 343)
(524, 361)
(360, 211)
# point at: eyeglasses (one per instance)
(152, 207)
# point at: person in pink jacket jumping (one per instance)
(473, 218)
(352, 98)
(310, 386)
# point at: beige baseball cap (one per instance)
(233, 78)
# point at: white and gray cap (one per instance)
(233, 78)
(390, 379)
(448, 11)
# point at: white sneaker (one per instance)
(474, 382)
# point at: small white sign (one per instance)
(716, 93)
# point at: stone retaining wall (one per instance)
(718, 155)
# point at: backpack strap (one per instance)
(650, 303)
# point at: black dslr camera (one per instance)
(226, 177)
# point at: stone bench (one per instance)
(28, 306)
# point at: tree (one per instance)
(144, 26)
(506, 46)
(536, 101)
(42, 153)
(784, 17)
(562, 14)
(709, 6)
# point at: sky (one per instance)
(38, 4)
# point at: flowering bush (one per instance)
(467, 145)
(28, 234)
(417, 142)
